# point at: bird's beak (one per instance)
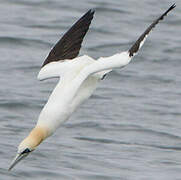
(18, 158)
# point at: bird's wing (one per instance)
(138, 44)
(116, 61)
(67, 48)
(122, 59)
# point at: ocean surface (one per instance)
(130, 129)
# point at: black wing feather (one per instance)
(136, 46)
(69, 45)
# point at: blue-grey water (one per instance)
(130, 129)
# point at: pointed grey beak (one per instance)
(18, 158)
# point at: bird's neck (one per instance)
(36, 136)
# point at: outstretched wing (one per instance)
(116, 61)
(122, 59)
(69, 45)
(138, 44)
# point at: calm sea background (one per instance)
(130, 129)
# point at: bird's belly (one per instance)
(85, 91)
(52, 117)
(57, 110)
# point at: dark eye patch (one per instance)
(26, 151)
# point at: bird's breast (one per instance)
(59, 107)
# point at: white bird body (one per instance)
(64, 100)
(79, 77)
(76, 85)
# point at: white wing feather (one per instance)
(101, 65)
(65, 68)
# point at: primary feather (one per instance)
(69, 45)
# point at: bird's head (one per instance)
(29, 144)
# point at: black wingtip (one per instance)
(88, 14)
(91, 11)
(171, 7)
(69, 45)
(133, 50)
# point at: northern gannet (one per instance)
(79, 77)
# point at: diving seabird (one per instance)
(79, 77)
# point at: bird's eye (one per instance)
(26, 151)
